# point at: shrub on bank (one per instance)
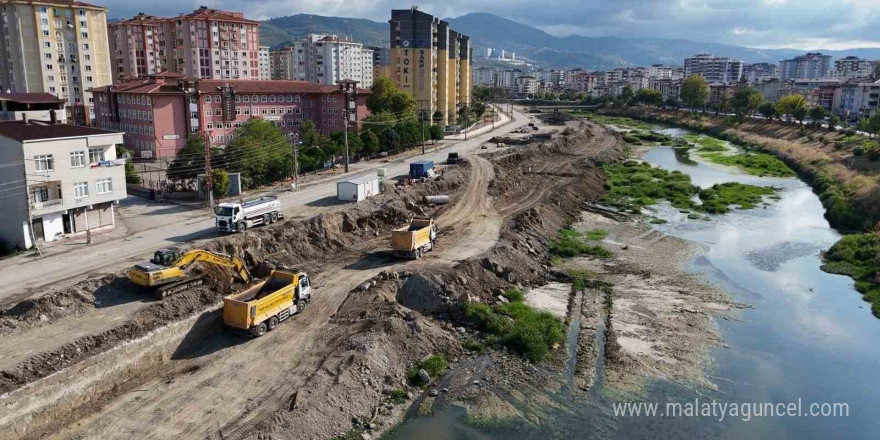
(515, 325)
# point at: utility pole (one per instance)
(208, 178)
(349, 90)
(422, 118)
(295, 170)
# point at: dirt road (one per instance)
(192, 379)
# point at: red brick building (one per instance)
(158, 112)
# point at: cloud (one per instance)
(755, 23)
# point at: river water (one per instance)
(807, 338)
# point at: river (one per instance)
(807, 339)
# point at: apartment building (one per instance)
(281, 61)
(328, 59)
(61, 180)
(265, 63)
(526, 86)
(852, 67)
(810, 66)
(58, 47)
(858, 98)
(581, 80)
(760, 72)
(774, 88)
(660, 71)
(207, 43)
(32, 106)
(669, 88)
(158, 113)
(431, 62)
(713, 69)
(381, 62)
(484, 77)
(138, 46)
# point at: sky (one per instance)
(800, 24)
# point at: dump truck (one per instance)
(165, 274)
(237, 217)
(414, 240)
(260, 308)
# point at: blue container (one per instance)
(420, 168)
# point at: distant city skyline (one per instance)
(833, 24)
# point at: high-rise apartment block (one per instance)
(431, 62)
(57, 47)
(810, 66)
(714, 69)
(207, 44)
(325, 59)
(760, 72)
(852, 67)
(265, 63)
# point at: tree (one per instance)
(627, 94)
(874, 123)
(833, 120)
(695, 92)
(370, 142)
(219, 183)
(649, 97)
(799, 113)
(386, 97)
(131, 176)
(787, 105)
(673, 103)
(390, 139)
(817, 114)
(190, 160)
(261, 152)
(437, 133)
(309, 134)
(768, 110)
(723, 104)
(746, 100)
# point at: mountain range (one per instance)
(489, 30)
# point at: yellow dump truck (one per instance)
(260, 308)
(414, 240)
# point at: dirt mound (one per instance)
(46, 308)
(557, 118)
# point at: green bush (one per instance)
(398, 396)
(855, 255)
(568, 246)
(435, 366)
(858, 151)
(473, 345)
(596, 234)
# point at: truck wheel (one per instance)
(259, 330)
(274, 217)
(418, 253)
(266, 219)
(273, 322)
(242, 226)
(300, 306)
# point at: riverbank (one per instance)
(831, 162)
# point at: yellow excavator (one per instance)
(165, 272)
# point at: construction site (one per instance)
(103, 358)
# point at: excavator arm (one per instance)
(213, 258)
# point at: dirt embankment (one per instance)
(847, 184)
(308, 244)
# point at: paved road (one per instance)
(36, 276)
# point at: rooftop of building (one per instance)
(65, 3)
(40, 130)
(205, 13)
(273, 86)
(31, 98)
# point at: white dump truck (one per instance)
(237, 217)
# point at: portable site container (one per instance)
(357, 188)
(421, 168)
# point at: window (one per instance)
(49, 67)
(43, 163)
(96, 155)
(40, 194)
(218, 112)
(80, 190)
(77, 159)
(104, 186)
(208, 99)
(85, 45)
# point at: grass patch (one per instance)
(435, 366)
(569, 244)
(706, 143)
(581, 279)
(633, 185)
(514, 295)
(398, 396)
(619, 121)
(854, 255)
(473, 345)
(351, 434)
(596, 234)
(658, 221)
(528, 332)
(756, 164)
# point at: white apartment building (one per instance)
(526, 86)
(58, 47)
(852, 67)
(714, 69)
(859, 99)
(810, 66)
(760, 71)
(265, 63)
(59, 180)
(327, 59)
(484, 77)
